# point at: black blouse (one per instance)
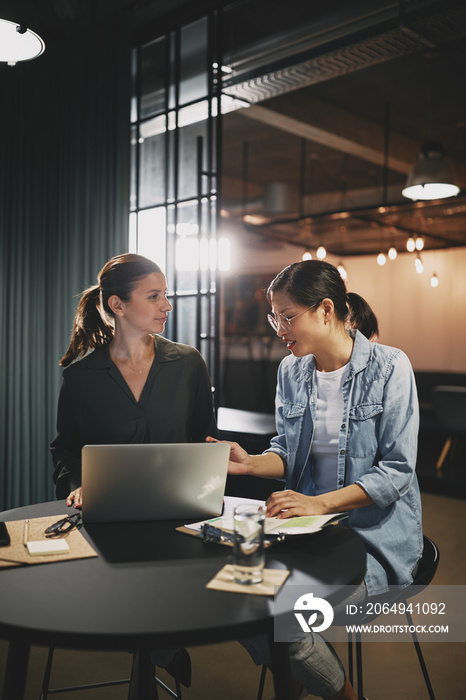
(96, 406)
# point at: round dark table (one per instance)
(147, 590)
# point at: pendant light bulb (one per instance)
(381, 259)
(410, 245)
(321, 252)
(392, 253)
(342, 270)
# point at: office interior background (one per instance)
(226, 140)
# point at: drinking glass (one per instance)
(248, 553)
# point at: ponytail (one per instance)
(361, 316)
(90, 330)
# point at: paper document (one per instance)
(273, 526)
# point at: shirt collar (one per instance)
(360, 357)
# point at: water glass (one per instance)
(248, 551)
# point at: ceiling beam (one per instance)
(314, 120)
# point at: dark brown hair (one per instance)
(311, 281)
(91, 329)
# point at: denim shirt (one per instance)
(377, 449)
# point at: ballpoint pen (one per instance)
(26, 531)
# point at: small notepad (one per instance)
(40, 547)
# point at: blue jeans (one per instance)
(314, 662)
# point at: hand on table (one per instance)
(290, 504)
(75, 498)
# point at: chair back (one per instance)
(428, 564)
(449, 404)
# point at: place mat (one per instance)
(224, 581)
(16, 554)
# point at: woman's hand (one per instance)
(289, 504)
(75, 498)
(240, 461)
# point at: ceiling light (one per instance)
(431, 176)
(307, 256)
(381, 259)
(321, 252)
(18, 43)
(434, 280)
(418, 264)
(419, 242)
(410, 245)
(392, 253)
(342, 270)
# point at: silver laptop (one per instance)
(153, 482)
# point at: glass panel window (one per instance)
(151, 235)
(186, 320)
(193, 85)
(152, 74)
(152, 170)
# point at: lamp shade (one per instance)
(431, 177)
(17, 43)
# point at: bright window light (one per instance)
(187, 254)
(151, 241)
(224, 254)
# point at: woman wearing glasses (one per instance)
(135, 386)
(347, 424)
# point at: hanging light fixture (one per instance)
(18, 43)
(307, 255)
(418, 264)
(321, 252)
(434, 280)
(342, 270)
(419, 243)
(381, 259)
(431, 177)
(392, 253)
(410, 245)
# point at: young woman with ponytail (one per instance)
(347, 425)
(123, 382)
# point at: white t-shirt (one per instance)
(324, 447)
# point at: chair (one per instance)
(179, 668)
(449, 405)
(424, 575)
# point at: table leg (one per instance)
(281, 669)
(14, 684)
(142, 685)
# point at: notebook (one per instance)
(153, 482)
